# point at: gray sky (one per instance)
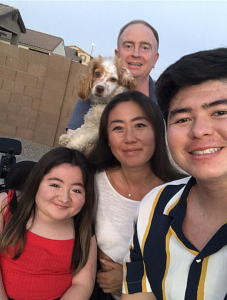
(183, 26)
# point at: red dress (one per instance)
(42, 272)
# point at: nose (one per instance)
(136, 51)
(99, 89)
(200, 128)
(64, 196)
(130, 136)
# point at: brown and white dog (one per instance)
(103, 79)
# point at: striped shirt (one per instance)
(161, 259)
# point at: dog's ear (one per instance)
(86, 82)
(126, 79)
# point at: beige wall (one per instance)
(37, 94)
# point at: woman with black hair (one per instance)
(130, 158)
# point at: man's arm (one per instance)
(77, 117)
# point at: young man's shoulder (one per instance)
(173, 188)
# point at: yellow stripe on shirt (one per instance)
(200, 293)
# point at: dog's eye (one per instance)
(97, 74)
(113, 79)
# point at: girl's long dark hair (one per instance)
(14, 233)
(101, 156)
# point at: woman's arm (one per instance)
(83, 282)
(3, 202)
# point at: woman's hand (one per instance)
(110, 277)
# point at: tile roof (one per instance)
(6, 11)
(36, 39)
(40, 40)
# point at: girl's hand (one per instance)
(110, 277)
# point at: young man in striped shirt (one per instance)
(179, 249)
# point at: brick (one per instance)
(33, 69)
(8, 49)
(42, 70)
(12, 62)
(33, 92)
(26, 78)
(36, 104)
(4, 107)
(8, 85)
(64, 111)
(26, 101)
(12, 50)
(49, 118)
(40, 83)
(13, 108)
(2, 59)
(59, 62)
(45, 128)
(63, 122)
(9, 129)
(42, 138)
(31, 124)
(22, 65)
(28, 112)
(19, 87)
(7, 73)
(57, 74)
(75, 92)
(4, 95)
(69, 89)
(55, 85)
(24, 133)
(16, 98)
(32, 56)
(20, 122)
(4, 48)
(58, 134)
(53, 97)
(3, 117)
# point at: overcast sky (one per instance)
(183, 26)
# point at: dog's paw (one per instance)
(63, 139)
(76, 146)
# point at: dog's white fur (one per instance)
(103, 79)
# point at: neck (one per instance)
(136, 176)
(133, 183)
(142, 85)
(211, 195)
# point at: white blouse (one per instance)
(114, 225)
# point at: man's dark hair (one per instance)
(192, 69)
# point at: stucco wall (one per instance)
(37, 94)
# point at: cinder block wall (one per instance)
(37, 94)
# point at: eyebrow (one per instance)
(204, 106)
(214, 103)
(58, 179)
(141, 43)
(133, 120)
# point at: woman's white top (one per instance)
(115, 218)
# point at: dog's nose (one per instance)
(99, 89)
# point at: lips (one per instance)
(135, 64)
(61, 206)
(131, 150)
(206, 151)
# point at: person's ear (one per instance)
(116, 52)
(155, 59)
